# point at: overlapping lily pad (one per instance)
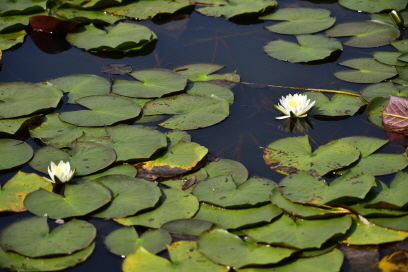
(189, 226)
(86, 16)
(299, 20)
(382, 90)
(390, 58)
(10, 7)
(337, 105)
(373, 5)
(375, 109)
(14, 23)
(8, 40)
(31, 237)
(210, 89)
(14, 153)
(221, 167)
(11, 126)
(310, 47)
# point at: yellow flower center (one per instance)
(294, 103)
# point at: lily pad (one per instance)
(14, 153)
(373, 5)
(396, 261)
(204, 72)
(124, 169)
(79, 86)
(10, 39)
(213, 243)
(389, 58)
(14, 23)
(189, 226)
(227, 167)
(12, 194)
(151, 83)
(103, 110)
(86, 16)
(126, 240)
(291, 155)
(310, 47)
(366, 71)
(123, 37)
(372, 212)
(184, 256)
(92, 3)
(11, 126)
(395, 114)
(299, 233)
(210, 89)
(74, 202)
(10, 7)
(173, 204)
(31, 237)
(85, 157)
(306, 189)
(23, 98)
(22, 263)
(382, 90)
(237, 218)
(176, 136)
(375, 109)
(396, 223)
(299, 20)
(190, 111)
(336, 105)
(145, 9)
(178, 160)
(131, 195)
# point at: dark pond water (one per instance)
(195, 38)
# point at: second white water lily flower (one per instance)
(296, 105)
(60, 173)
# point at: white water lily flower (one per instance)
(294, 106)
(60, 173)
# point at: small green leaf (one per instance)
(14, 153)
(336, 105)
(373, 5)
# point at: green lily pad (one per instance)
(14, 23)
(173, 204)
(365, 33)
(86, 16)
(184, 256)
(396, 223)
(237, 218)
(22, 263)
(204, 72)
(299, 20)
(178, 160)
(372, 212)
(336, 105)
(23, 98)
(10, 39)
(310, 47)
(382, 90)
(299, 233)
(79, 86)
(85, 157)
(189, 226)
(14, 153)
(373, 5)
(232, 8)
(361, 234)
(152, 83)
(306, 189)
(11, 7)
(12, 194)
(401, 45)
(402, 72)
(375, 109)
(131, 195)
(223, 191)
(124, 169)
(103, 110)
(76, 200)
(11, 126)
(210, 89)
(190, 111)
(123, 37)
(213, 243)
(145, 9)
(92, 3)
(126, 240)
(176, 136)
(329, 262)
(389, 58)
(222, 167)
(293, 154)
(31, 237)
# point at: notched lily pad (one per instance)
(336, 105)
(14, 153)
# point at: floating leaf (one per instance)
(395, 114)
(103, 110)
(117, 69)
(227, 167)
(396, 223)
(396, 261)
(14, 153)
(176, 136)
(85, 157)
(232, 8)
(11, 126)
(310, 47)
(173, 204)
(10, 39)
(191, 111)
(15, 261)
(300, 233)
(210, 89)
(126, 240)
(184, 256)
(92, 3)
(306, 189)
(237, 218)
(131, 195)
(76, 200)
(51, 24)
(12, 194)
(79, 86)
(145, 9)
(189, 226)
(291, 155)
(373, 5)
(375, 109)
(152, 83)
(87, 16)
(299, 20)
(401, 45)
(10, 7)
(389, 58)
(365, 33)
(382, 90)
(23, 98)
(223, 191)
(214, 242)
(124, 169)
(15, 22)
(178, 160)
(371, 212)
(337, 105)
(122, 37)
(31, 237)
